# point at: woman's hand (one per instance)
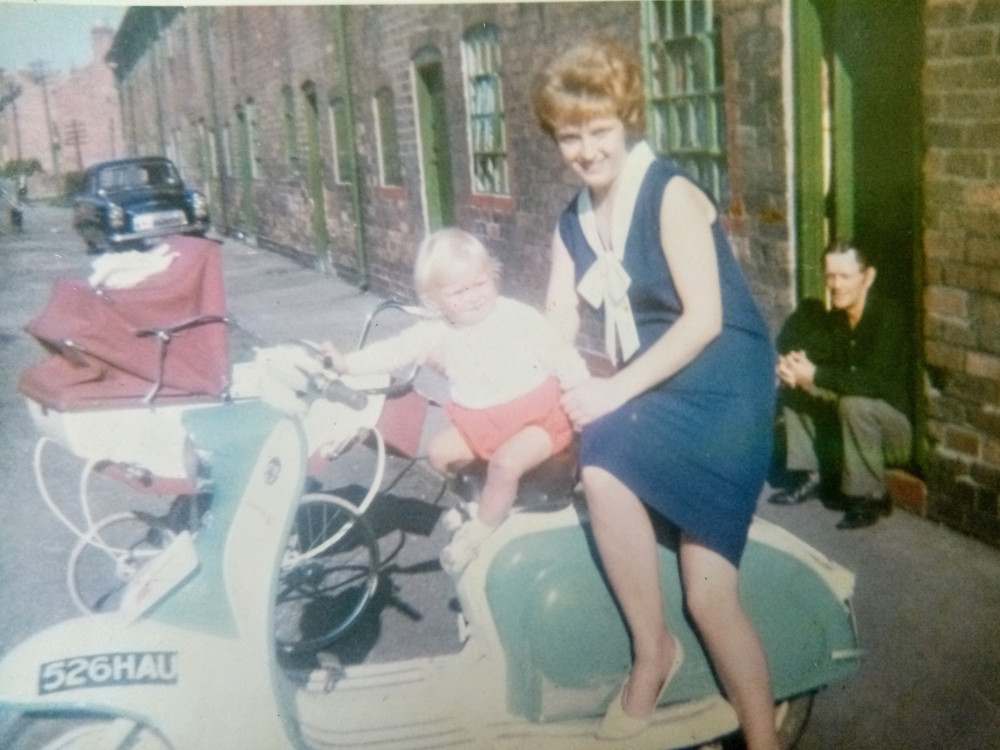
(591, 399)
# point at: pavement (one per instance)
(927, 598)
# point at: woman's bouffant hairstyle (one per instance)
(597, 78)
(443, 249)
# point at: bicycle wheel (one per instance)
(105, 559)
(328, 575)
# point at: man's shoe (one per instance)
(807, 489)
(864, 511)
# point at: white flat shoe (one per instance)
(618, 725)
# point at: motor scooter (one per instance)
(188, 659)
(186, 654)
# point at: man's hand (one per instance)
(795, 370)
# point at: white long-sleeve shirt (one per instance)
(507, 355)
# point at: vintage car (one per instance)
(126, 203)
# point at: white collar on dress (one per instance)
(606, 281)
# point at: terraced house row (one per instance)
(342, 134)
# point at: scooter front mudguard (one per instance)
(172, 680)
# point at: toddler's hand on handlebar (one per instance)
(333, 358)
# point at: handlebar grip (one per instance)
(337, 392)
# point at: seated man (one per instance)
(846, 394)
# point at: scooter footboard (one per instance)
(567, 649)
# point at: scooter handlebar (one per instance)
(336, 391)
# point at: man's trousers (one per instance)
(854, 436)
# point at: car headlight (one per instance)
(199, 204)
(116, 216)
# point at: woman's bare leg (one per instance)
(628, 549)
(711, 589)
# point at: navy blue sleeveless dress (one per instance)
(697, 447)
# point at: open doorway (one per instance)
(858, 145)
(432, 126)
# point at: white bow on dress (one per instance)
(606, 281)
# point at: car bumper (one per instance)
(117, 239)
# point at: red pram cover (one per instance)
(103, 352)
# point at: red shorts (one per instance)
(487, 429)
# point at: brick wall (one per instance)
(962, 268)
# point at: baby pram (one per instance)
(127, 357)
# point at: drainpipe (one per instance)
(207, 25)
(340, 38)
(154, 53)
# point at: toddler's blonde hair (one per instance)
(443, 249)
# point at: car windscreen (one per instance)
(132, 176)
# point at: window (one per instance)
(290, 130)
(484, 103)
(387, 137)
(687, 117)
(342, 154)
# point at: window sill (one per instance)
(503, 203)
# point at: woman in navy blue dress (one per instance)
(684, 425)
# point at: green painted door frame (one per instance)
(857, 134)
(432, 124)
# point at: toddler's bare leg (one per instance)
(447, 452)
(519, 454)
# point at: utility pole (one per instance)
(40, 75)
(76, 136)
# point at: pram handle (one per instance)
(164, 336)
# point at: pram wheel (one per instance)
(329, 574)
(108, 557)
(96, 734)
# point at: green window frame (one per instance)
(682, 55)
(487, 133)
(342, 152)
(387, 137)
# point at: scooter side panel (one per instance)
(567, 649)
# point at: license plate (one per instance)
(143, 222)
(105, 670)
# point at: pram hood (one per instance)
(102, 342)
